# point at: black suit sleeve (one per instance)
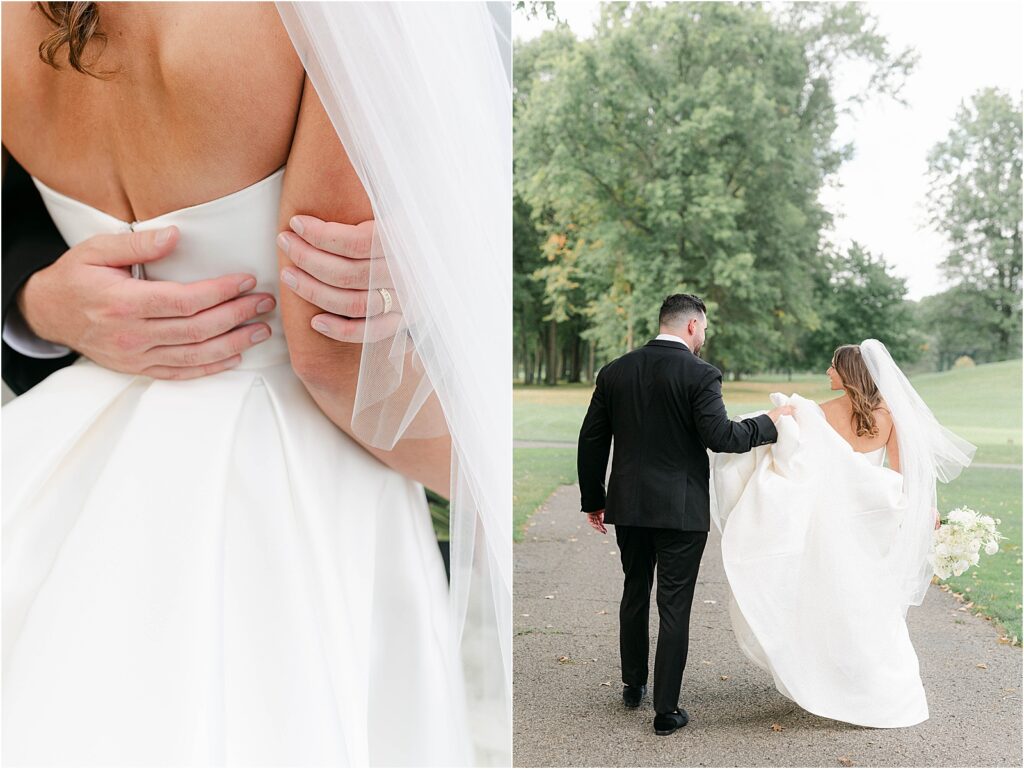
(717, 431)
(592, 452)
(29, 243)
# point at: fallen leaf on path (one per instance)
(982, 665)
(777, 727)
(524, 615)
(549, 597)
(711, 602)
(706, 662)
(573, 539)
(605, 611)
(563, 660)
(845, 761)
(606, 683)
(1003, 640)
(724, 678)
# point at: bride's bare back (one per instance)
(202, 101)
(839, 414)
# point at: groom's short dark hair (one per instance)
(679, 306)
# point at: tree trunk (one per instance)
(575, 359)
(552, 372)
(590, 361)
(524, 353)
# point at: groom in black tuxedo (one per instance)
(663, 406)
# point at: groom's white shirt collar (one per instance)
(672, 338)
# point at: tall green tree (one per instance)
(975, 201)
(862, 299)
(682, 148)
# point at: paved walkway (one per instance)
(568, 706)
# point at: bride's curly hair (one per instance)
(859, 386)
(76, 25)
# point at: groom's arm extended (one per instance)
(722, 434)
(592, 452)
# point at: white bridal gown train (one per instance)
(209, 572)
(806, 524)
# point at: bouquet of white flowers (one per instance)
(957, 543)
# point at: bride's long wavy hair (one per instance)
(859, 386)
(76, 25)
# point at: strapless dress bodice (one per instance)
(876, 457)
(233, 233)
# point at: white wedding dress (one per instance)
(209, 572)
(806, 525)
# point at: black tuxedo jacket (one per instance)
(30, 242)
(663, 405)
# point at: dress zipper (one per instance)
(138, 270)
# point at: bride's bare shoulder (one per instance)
(832, 406)
(883, 417)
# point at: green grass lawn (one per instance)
(994, 585)
(981, 404)
(538, 472)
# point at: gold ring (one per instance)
(385, 295)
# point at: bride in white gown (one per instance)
(825, 547)
(210, 572)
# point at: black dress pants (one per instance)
(677, 556)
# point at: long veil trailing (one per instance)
(928, 453)
(420, 96)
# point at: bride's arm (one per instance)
(320, 181)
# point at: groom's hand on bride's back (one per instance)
(87, 300)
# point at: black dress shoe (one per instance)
(666, 723)
(631, 695)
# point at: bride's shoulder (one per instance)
(883, 417)
(836, 404)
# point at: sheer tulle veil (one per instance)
(928, 453)
(420, 96)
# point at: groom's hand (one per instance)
(781, 411)
(87, 300)
(597, 521)
(332, 270)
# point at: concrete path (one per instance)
(568, 704)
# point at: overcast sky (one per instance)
(964, 46)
